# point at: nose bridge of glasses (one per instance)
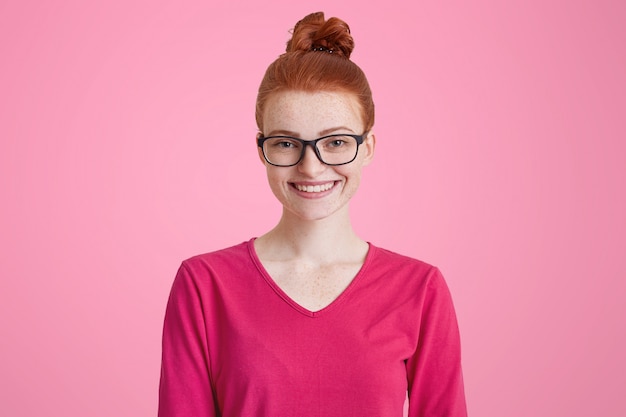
(312, 144)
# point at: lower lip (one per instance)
(313, 196)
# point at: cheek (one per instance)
(352, 172)
(353, 178)
(275, 180)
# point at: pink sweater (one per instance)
(235, 345)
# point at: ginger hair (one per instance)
(317, 58)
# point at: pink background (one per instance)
(127, 144)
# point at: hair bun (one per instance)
(314, 33)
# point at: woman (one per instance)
(309, 319)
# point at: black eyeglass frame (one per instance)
(313, 144)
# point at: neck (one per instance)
(317, 241)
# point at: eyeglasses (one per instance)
(287, 151)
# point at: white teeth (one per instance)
(315, 188)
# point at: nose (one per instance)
(310, 164)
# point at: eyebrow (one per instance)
(295, 134)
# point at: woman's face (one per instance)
(312, 190)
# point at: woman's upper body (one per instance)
(237, 345)
(357, 326)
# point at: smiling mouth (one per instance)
(314, 188)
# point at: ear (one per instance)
(368, 147)
(259, 150)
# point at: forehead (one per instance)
(309, 113)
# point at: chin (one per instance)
(309, 214)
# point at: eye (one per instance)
(284, 144)
(278, 148)
(336, 143)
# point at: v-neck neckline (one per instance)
(294, 304)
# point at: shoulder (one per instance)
(206, 273)
(393, 265)
(223, 261)
(226, 254)
(387, 259)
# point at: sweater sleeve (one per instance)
(435, 379)
(185, 386)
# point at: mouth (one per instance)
(317, 188)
